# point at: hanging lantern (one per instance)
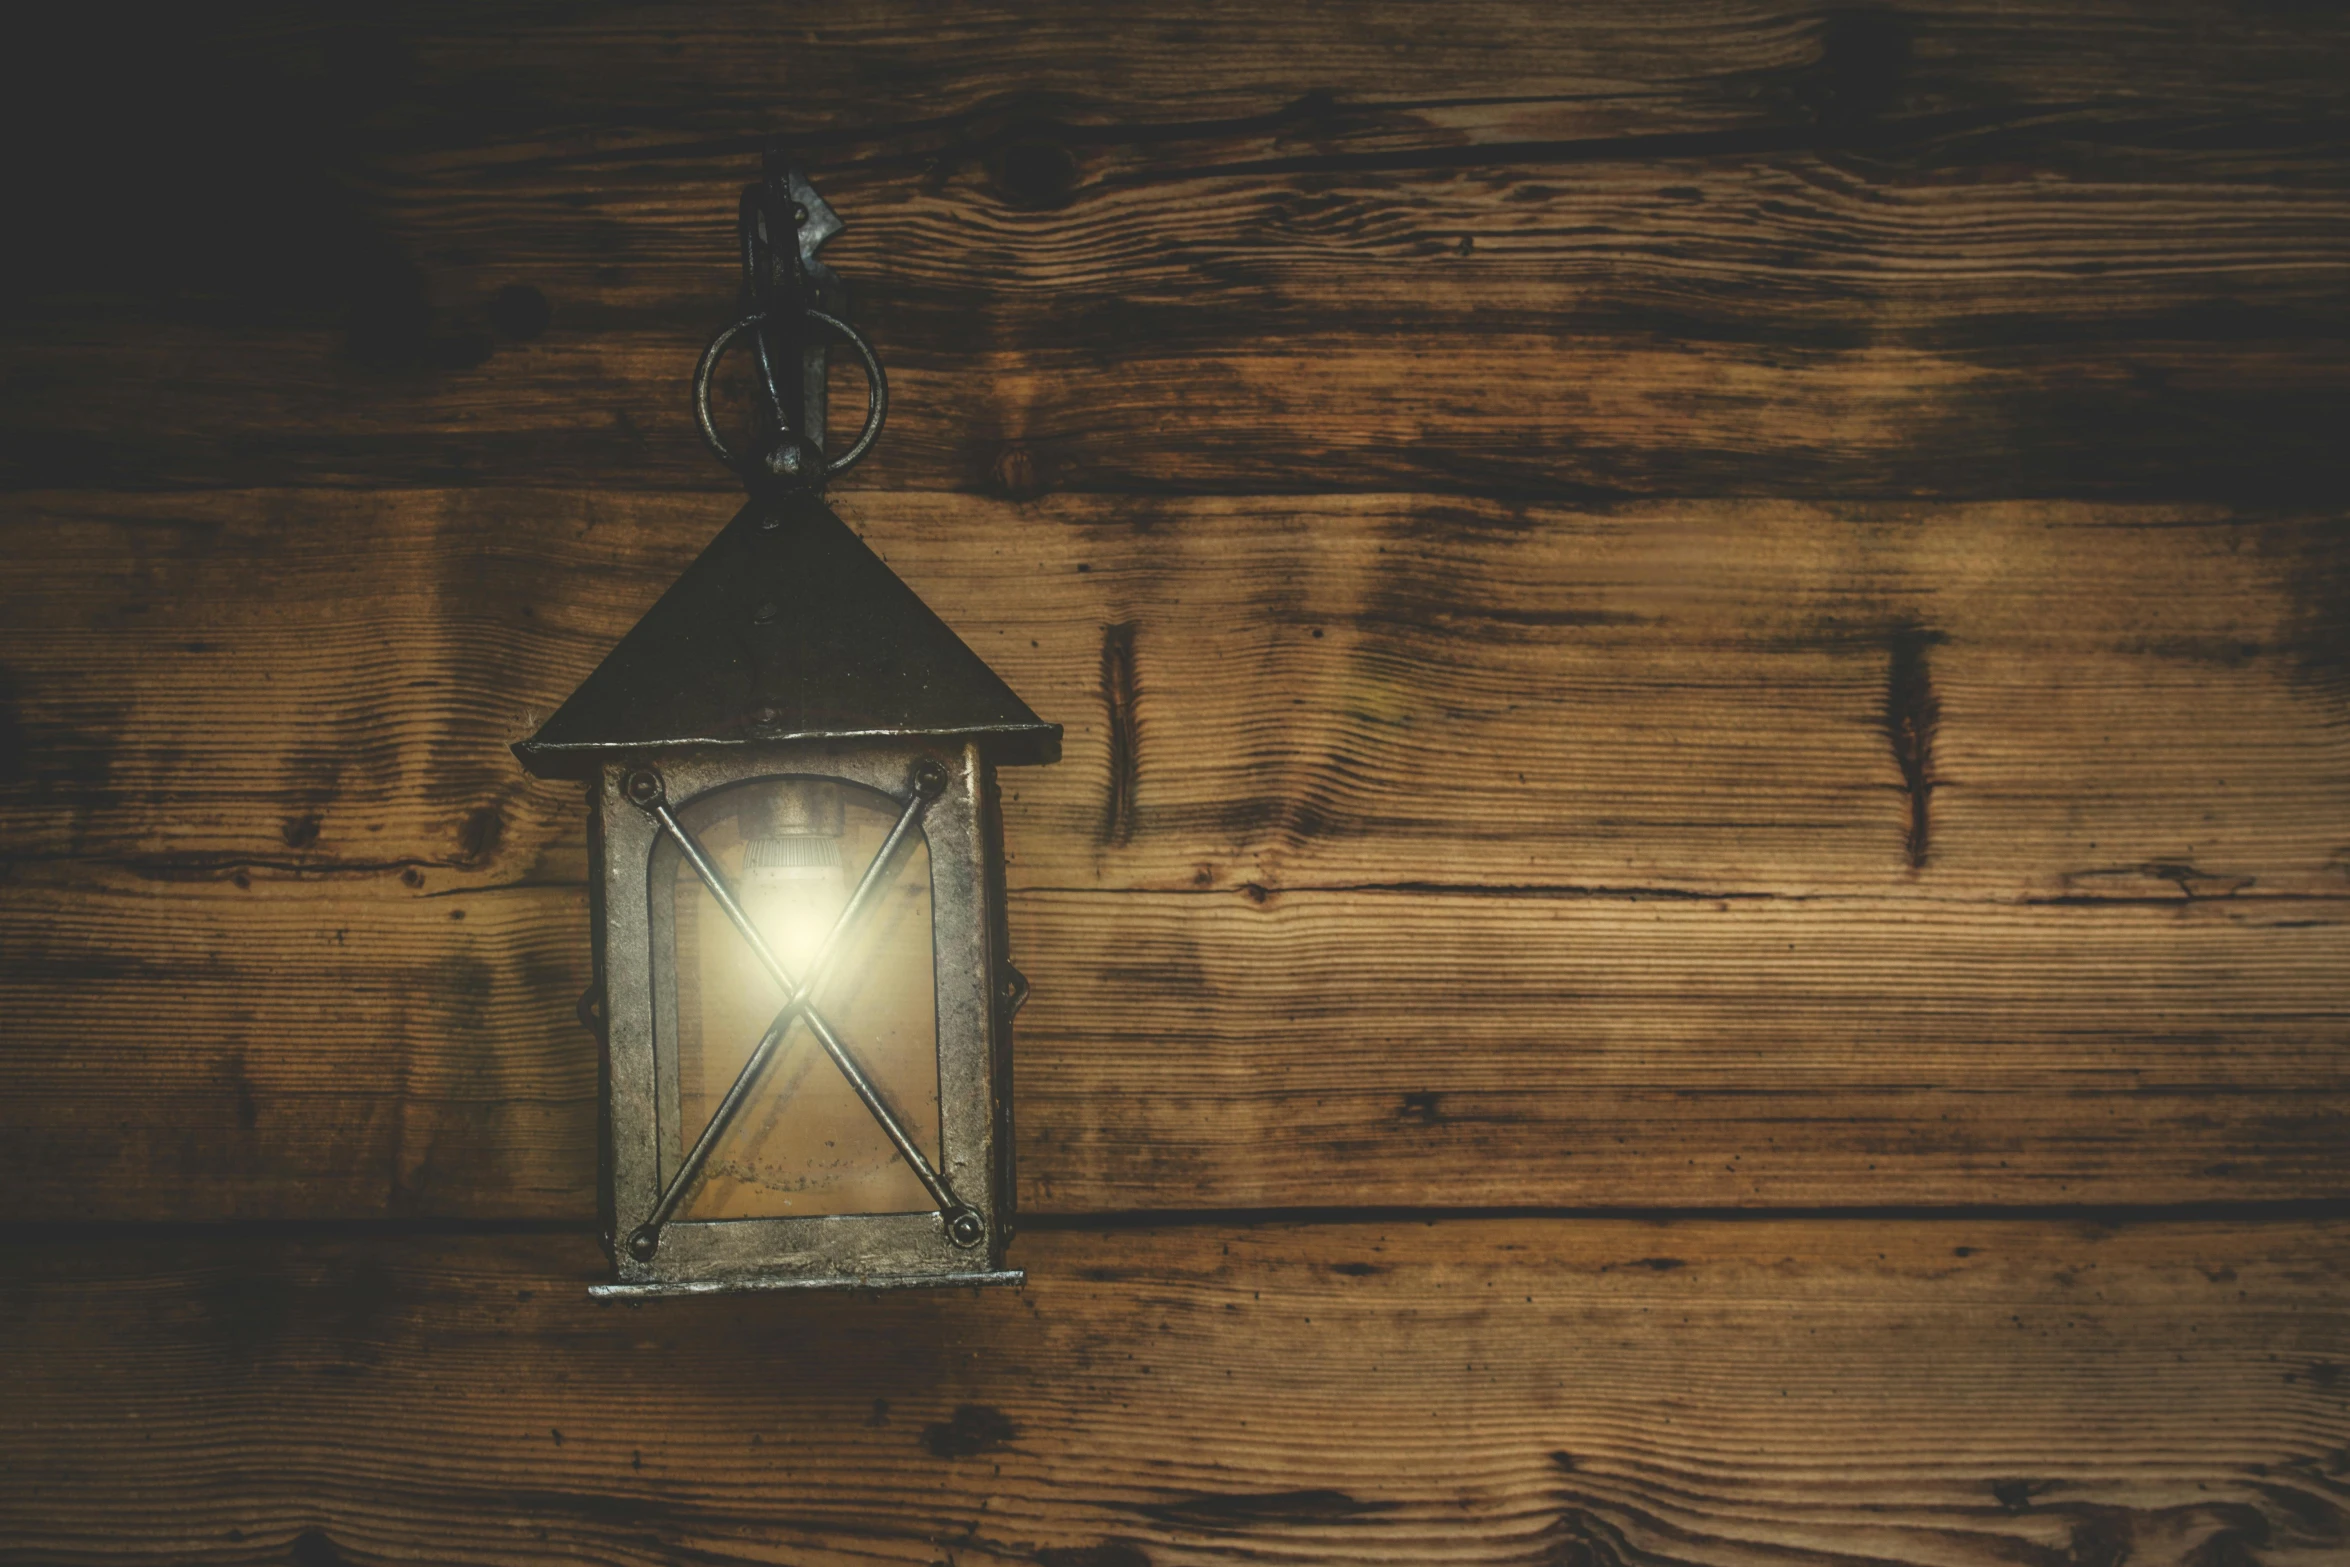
(803, 985)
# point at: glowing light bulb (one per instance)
(793, 889)
(792, 851)
(792, 882)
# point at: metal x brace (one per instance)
(930, 781)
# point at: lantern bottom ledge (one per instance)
(878, 1281)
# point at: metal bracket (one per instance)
(793, 308)
(825, 292)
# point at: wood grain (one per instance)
(1618, 65)
(1965, 254)
(1406, 850)
(1732, 1395)
(282, 1046)
(2139, 702)
(1731, 608)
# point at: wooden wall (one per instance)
(1698, 913)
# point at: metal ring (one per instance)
(876, 391)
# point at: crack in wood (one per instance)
(1221, 1511)
(1911, 713)
(1887, 136)
(2259, 1211)
(1124, 730)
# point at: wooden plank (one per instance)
(1978, 702)
(288, 1046)
(1672, 326)
(1617, 66)
(1364, 736)
(1411, 1050)
(300, 1052)
(1942, 1395)
(1496, 854)
(1967, 254)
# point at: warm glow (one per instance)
(793, 888)
(793, 852)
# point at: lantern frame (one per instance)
(789, 651)
(977, 991)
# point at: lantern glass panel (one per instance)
(794, 850)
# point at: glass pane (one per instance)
(794, 850)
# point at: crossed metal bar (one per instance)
(800, 1005)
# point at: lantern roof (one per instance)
(786, 629)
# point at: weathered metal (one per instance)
(787, 461)
(786, 629)
(789, 653)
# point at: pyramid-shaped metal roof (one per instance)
(786, 628)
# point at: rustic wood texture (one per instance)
(2057, 701)
(1732, 608)
(267, 1045)
(1466, 854)
(1972, 251)
(1738, 1395)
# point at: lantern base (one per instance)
(879, 1281)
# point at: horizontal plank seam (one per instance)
(2293, 493)
(2245, 1211)
(1876, 135)
(1603, 893)
(210, 866)
(1747, 141)
(2175, 510)
(2109, 1215)
(1312, 112)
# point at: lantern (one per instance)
(801, 971)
